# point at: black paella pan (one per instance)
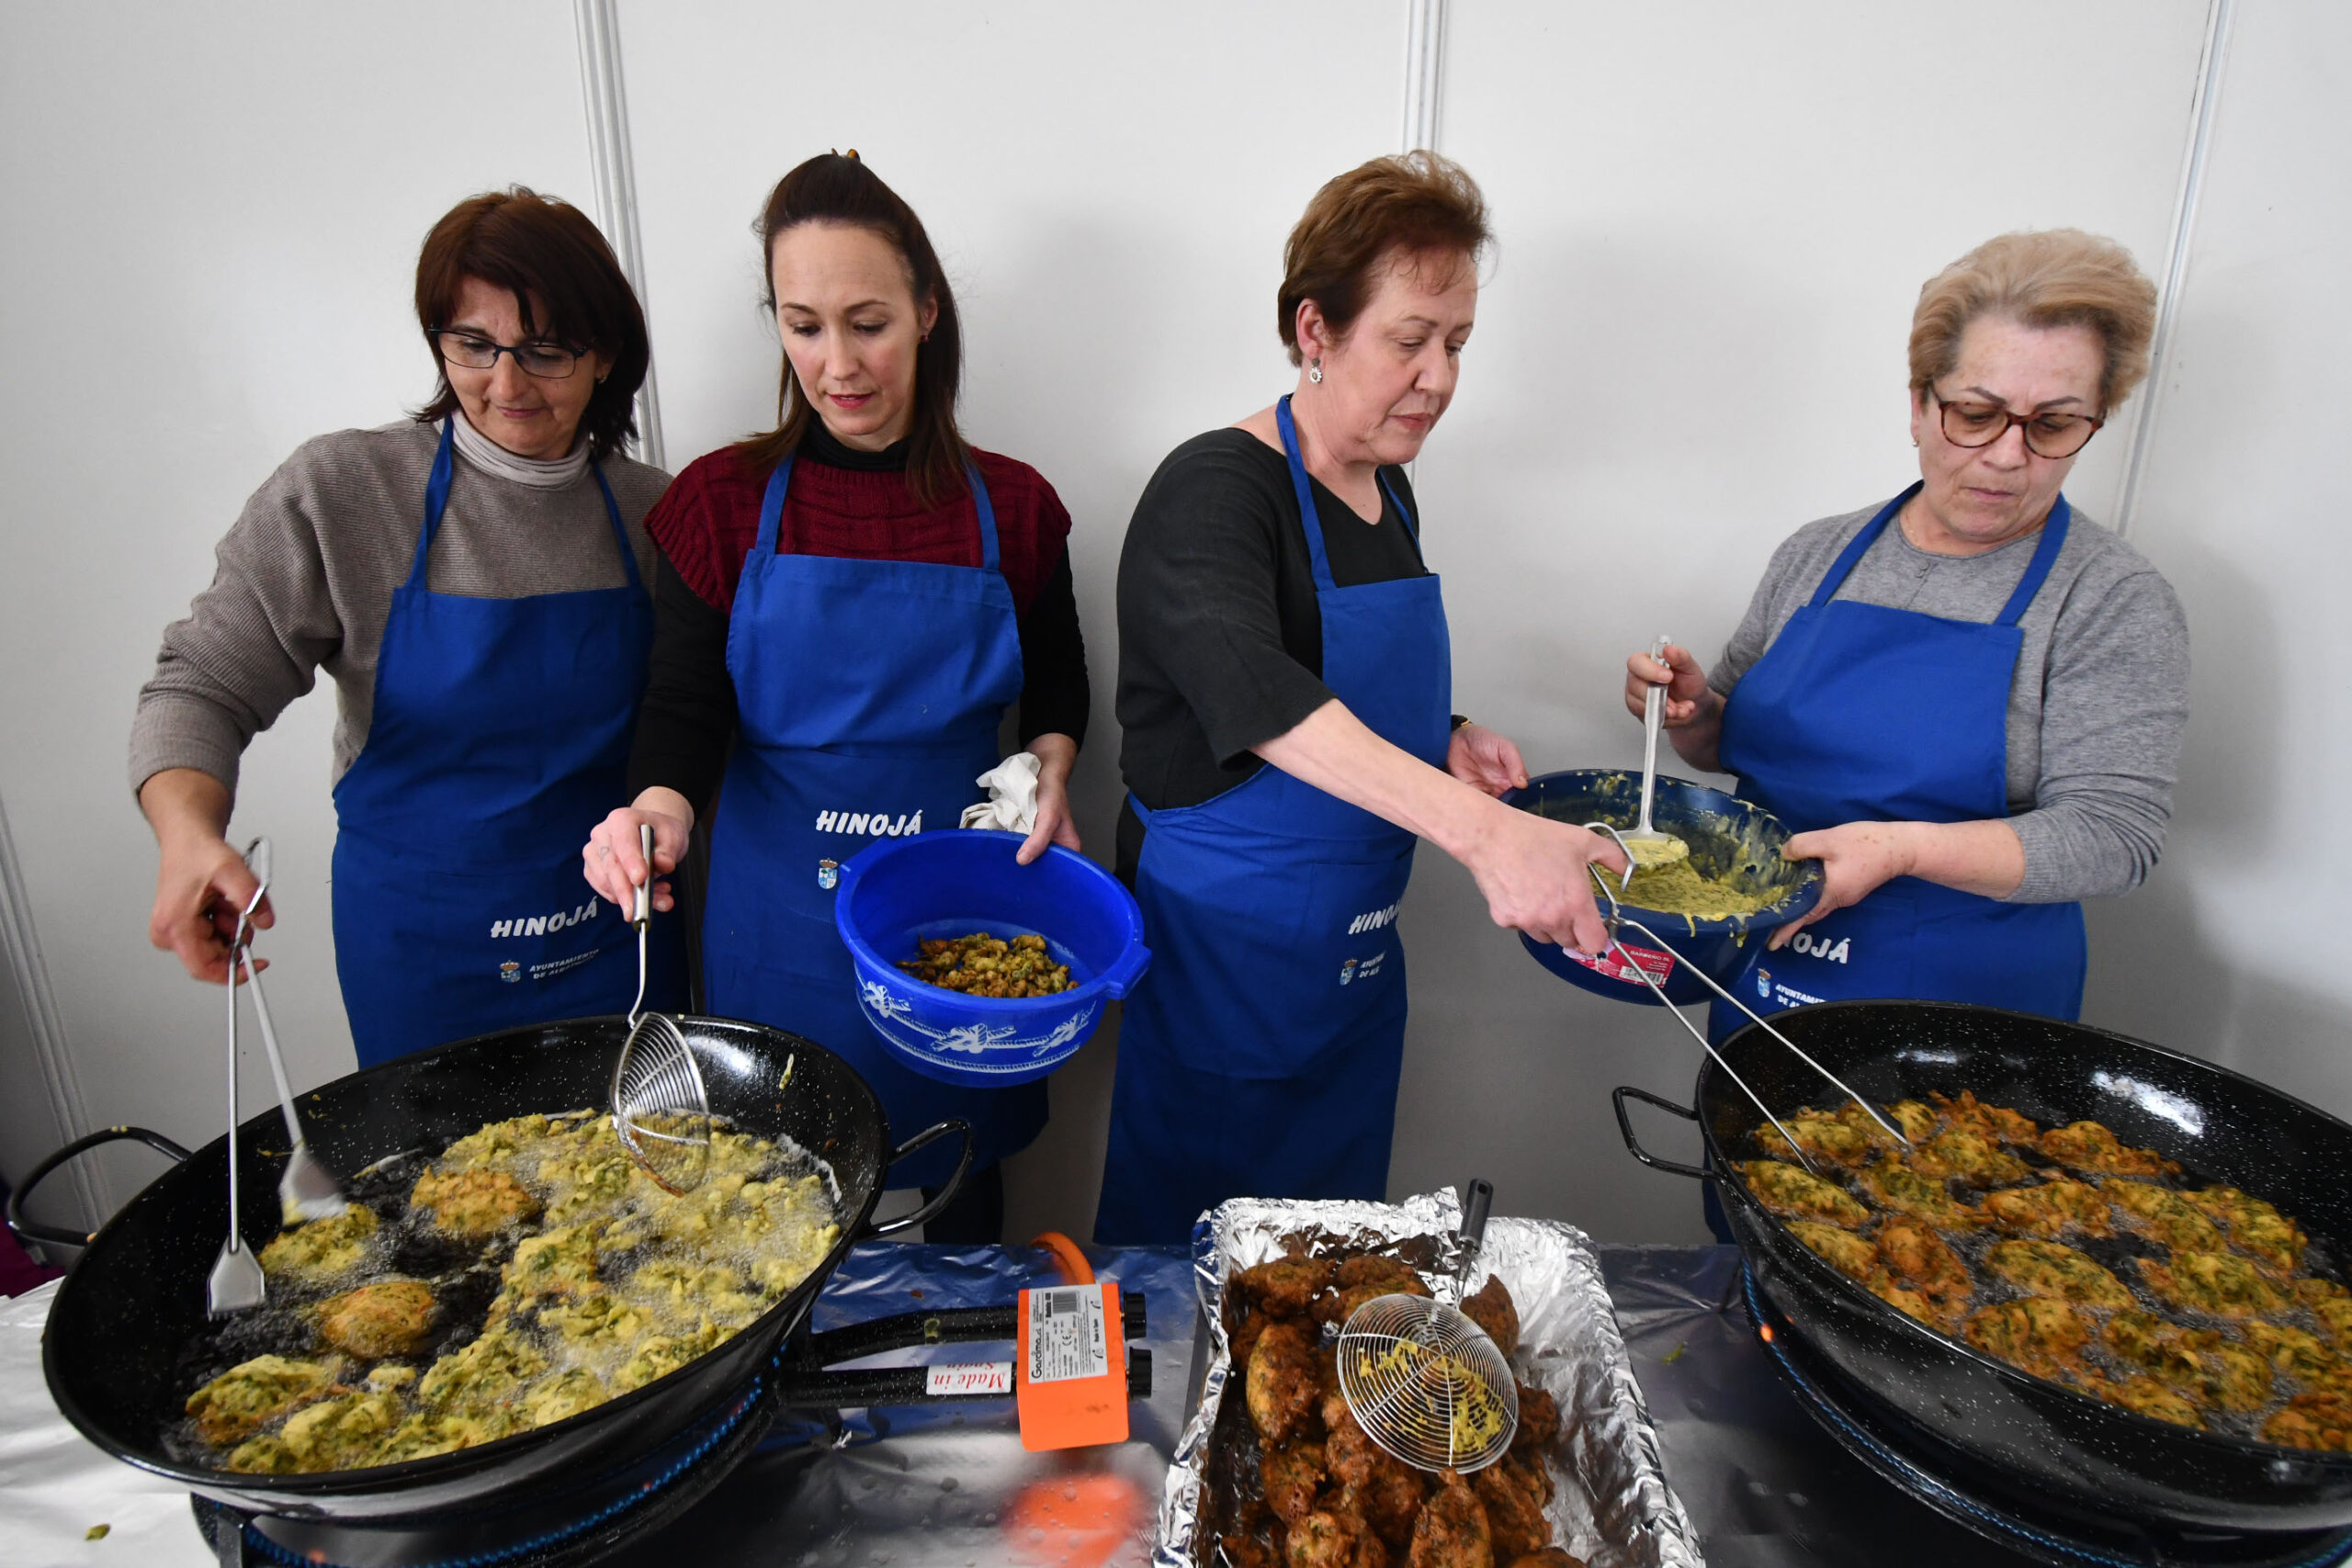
(117, 1336)
(2056, 1446)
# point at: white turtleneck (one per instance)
(538, 473)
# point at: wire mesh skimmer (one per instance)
(661, 1110)
(1422, 1380)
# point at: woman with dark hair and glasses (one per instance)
(1968, 701)
(846, 607)
(473, 580)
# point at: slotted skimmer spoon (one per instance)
(1423, 1379)
(235, 1284)
(1645, 845)
(661, 1110)
(308, 1190)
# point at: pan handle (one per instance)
(946, 1194)
(27, 1230)
(1633, 1145)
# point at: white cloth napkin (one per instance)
(1011, 803)
(54, 1485)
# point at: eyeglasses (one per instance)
(2046, 435)
(543, 360)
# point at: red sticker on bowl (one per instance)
(1658, 965)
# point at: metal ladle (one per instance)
(1645, 845)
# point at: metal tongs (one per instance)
(1617, 918)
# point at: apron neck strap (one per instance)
(2045, 555)
(436, 503)
(1858, 547)
(772, 512)
(1308, 518)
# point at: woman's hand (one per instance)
(1986, 858)
(1532, 871)
(1055, 754)
(1692, 713)
(203, 883)
(613, 861)
(1485, 761)
(1857, 858)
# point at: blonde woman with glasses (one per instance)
(1967, 700)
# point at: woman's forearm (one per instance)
(185, 804)
(1057, 755)
(1335, 751)
(1982, 857)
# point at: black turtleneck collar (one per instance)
(819, 445)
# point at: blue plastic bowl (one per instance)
(899, 891)
(1729, 839)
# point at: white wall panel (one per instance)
(2231, 952)
(214, 216)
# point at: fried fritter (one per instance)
(1968, 1154)
(1853, 1256)
(1899, 1187)
(2040, 1334)
(1550, 1557)
(1393, 1274)
(1284, 1383)
(2087, 1145)
(1492, 1309)
(1284, 1286)
(1830, 1136)
(2217, 1283)
(1794, 1193)
(2254, 1226)
(1515, 1521)
(1992, 1121)
(1539, 1421)
(1915, 1122)
(1240, 1550)
(253, 1393)
(2331, 1304)
(1337, 1307)
(1334, 1539)
(390, 1318)
(2145, 1395)
(1909, 1301)
(2046, 1269)
(2215, 1372)
(1453, 1531)
(1921, 1260)
(1291, 1475)
(2048, 1209)
(1373, 1483)
(473, 1203)
(2165, 1215)
(322, 1249)
(2291, 1350)
(2312, 1421)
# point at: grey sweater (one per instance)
(2097, 705)
(305, 579)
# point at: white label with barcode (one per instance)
(969, 1377)
(1065, 1335)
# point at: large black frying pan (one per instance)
(125, 1315)
(2060, 1446)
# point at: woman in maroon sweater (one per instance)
(843, 609)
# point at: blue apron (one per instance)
(499, 738)
(869, 693)
(1864, 713)
(1261, 1055)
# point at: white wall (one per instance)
(1713, 220)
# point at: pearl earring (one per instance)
(1315, 371)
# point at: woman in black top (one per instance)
(1284, 683)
